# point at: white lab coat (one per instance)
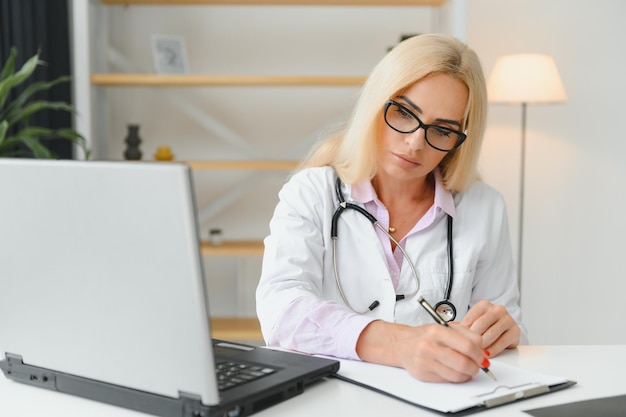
(298, 258)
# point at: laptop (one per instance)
(103, 294)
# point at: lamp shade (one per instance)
(525, 78)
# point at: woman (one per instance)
(408, 157)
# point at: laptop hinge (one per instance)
(14, 368)
(192, 405)
(7, 364)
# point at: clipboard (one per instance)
(480, 393)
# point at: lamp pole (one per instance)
(521, 200)
(523, 79)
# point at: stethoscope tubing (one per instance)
(450, 260)
(343, 205)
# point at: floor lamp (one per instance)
(525, 79)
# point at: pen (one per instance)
(441, 321)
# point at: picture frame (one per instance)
(169, 54)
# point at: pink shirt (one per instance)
(333, 329)
(365, 193)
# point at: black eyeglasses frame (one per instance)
(420, 124)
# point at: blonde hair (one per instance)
(352, 151)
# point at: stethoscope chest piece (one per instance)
(446, 310)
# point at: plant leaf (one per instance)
(32, 132)
(20, 110)
(70, 134)
(35, 132)
(9, 146)
(4, 126)
(38, 150)
(16, 104)
(24, 113)
(9, 66)
(31, 138)
(17, 78)
(74, 137)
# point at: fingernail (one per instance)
(485, 363)
(488, 353)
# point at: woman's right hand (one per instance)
(431, 352)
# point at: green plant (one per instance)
(15, 114)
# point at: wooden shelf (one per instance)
(243, 165)
(278, 2)
(207, 80)
(233, 248)
(236, 328)
(236, 165)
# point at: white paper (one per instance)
(446, 397)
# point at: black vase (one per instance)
(132, 140)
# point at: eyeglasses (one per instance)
(403, 120)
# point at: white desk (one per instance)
(599, 371)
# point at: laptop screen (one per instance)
(105, 276)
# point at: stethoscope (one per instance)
(444, 308)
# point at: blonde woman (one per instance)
(391, 209)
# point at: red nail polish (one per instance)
(488, 353)
(485, 363)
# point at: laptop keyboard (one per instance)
(232, 374)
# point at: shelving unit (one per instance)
(90, 87)
(236, 328)
(233, 248)
(240, 247)
(195, 80)
(243, 165)
(279, 2)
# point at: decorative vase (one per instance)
(215, 236)
(164, 153)
(132, 140)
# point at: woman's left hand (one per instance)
(494, 324)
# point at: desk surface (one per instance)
(597, 369)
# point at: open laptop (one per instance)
(102, 294)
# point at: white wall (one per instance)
(572, 278)
(572, 268)
(264, 122)
(260, 122)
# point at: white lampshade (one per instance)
(525, 78)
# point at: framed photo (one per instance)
(169, 54)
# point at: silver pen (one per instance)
(441, 321)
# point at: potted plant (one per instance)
(17, 136)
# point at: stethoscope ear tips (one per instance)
(373, 305)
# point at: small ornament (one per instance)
(132, 140)
(163, 153)
(215, 236)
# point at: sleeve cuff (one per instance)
(349, 334)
